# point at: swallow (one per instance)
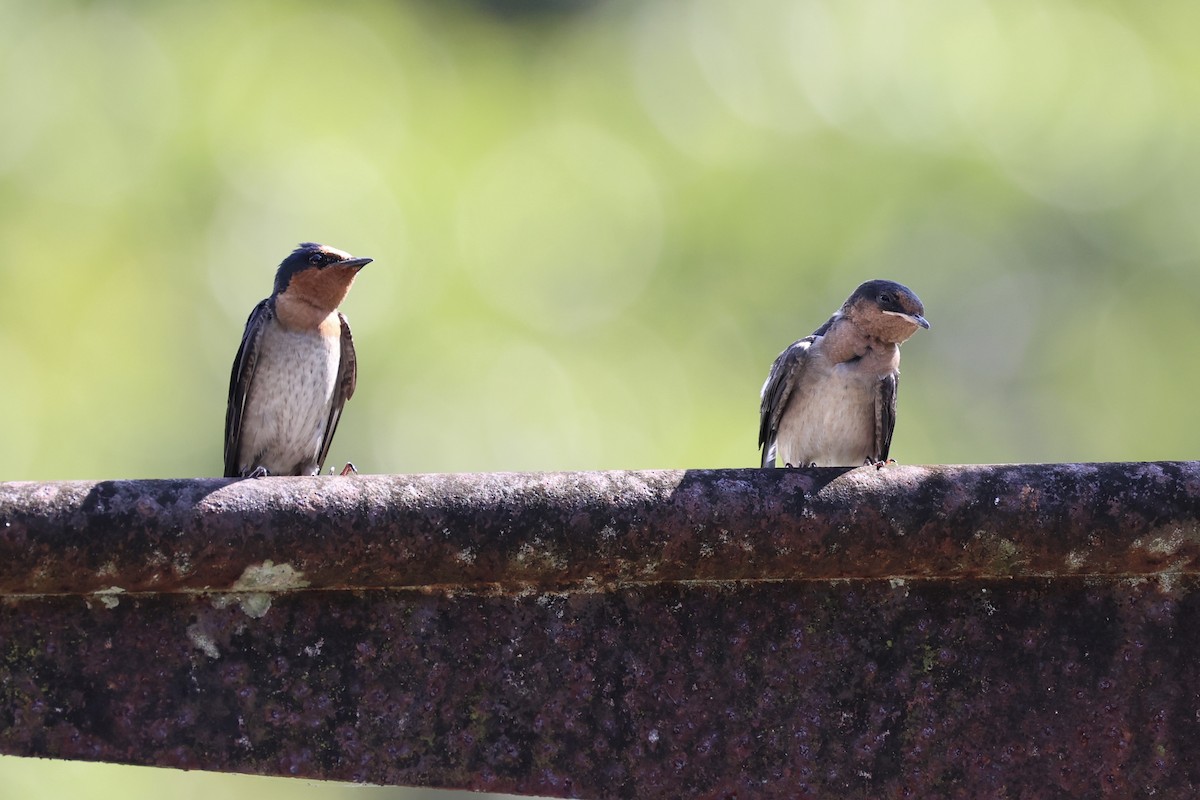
(295, 368)
(830, 398)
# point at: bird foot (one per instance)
(879, 464)
(257, 472)
(349, 469)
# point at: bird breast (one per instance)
(289, 400)
(830, 418)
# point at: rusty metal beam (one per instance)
(1025, 630)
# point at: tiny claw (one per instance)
(258, 472)
(349, 469)
(882, 464)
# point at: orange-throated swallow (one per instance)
(295, 368)
(830, 398)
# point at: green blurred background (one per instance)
(595, 224)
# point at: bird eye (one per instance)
(886, 299)
(315, 259)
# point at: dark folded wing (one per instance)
(885, 415)
(239, 381)
(346, 378)
(785, 372)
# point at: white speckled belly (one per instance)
(831, 421)
(289, 400)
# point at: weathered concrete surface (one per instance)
(1017, 631)
(594, 529)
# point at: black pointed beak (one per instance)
(924, 323)
(359, 263)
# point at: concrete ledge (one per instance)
(1024, 630)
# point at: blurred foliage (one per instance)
(595, 224)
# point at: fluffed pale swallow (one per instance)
(830, 398)
(295, 368)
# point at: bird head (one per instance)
(886, 310)
(318, 274)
